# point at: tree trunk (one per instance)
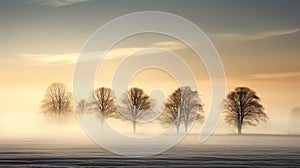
(177, 127)
(102, 123)
(239, 128)
(186, 123)
(134, 126)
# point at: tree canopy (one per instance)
(57, 101)
(182, 107)
(134, 105)
(242, 107)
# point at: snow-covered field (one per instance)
(218, 151)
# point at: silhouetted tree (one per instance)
(242, 107)
(182, 107)
(57, 101)
(191, 106)
(294, 120)
(295, 113)
(171, 114)
(134, 105)
(82, 106)
(102, 102)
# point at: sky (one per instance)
(258, 42)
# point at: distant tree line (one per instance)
(183, 106)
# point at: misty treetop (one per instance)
(58, 101)
(82, 107)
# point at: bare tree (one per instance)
(294, 120)
(190, 106)
(242, 107)
(57, 101)
(182, 107)
(82, 106)
(102, 103)
(134, 105)
(171, 114)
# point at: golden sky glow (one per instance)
(39, 47)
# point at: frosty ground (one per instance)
(218, 151)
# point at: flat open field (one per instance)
(218, 151)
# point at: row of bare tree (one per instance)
(181, 108)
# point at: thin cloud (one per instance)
(276, 75)
(36, 59)
(270, 34)
(117, 53)
(170, 45)
(71, 58)
(57, 3)
(258, 36)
